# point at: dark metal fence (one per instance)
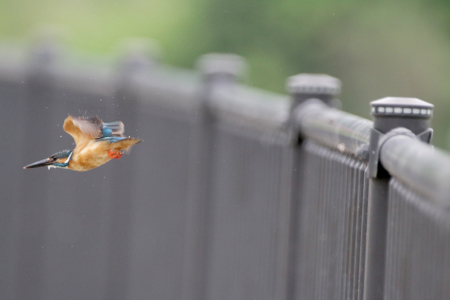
(236, 193)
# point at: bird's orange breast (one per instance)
(92, 156)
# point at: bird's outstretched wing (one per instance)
(83, 130)
(91, 127)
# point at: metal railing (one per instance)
(236, 193)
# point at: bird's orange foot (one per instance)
(114, 154)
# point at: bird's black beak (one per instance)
(41, 163)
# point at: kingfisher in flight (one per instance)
(96, 144)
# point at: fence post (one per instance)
(216, 69)
(302, 87)
(136, 59)
(389, 113)
(31, 214)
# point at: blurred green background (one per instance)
(377, 48)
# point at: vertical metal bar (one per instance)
(294, 163)
(347, 190)
(200, 162)
(363, 232)
(290, 164)
(361, 229)
(340, 233)
(352, 202)
(376, 238)
(322, 200)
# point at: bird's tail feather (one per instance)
(113, 129)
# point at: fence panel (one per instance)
(158, 209)
(418, 239)
(153, 186)
(331, 229)
(246, 246)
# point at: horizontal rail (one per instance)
(424, 169)
(96, 80)
(172, 88)
(333, 128)
(167, 87)
(12, 65)
(254, 107)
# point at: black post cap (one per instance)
(222, 64)
(401, 107)
(306, 86)
(138, 54)
(314, 84)
(392, 112)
